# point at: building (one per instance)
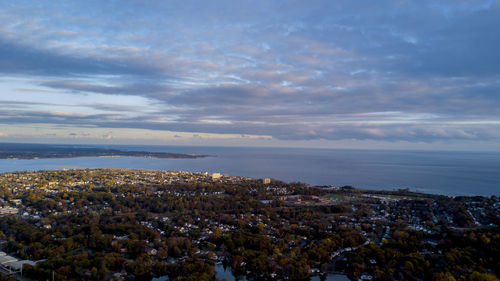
(267, 181)
(16, 201)
(10, 265)
(8, 210)
(216, 176)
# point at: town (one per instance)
(122, 224)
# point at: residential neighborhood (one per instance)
(122, 224)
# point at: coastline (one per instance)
(434, 173)
(43, 151)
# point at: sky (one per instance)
(339, 74)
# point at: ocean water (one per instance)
(448, 173)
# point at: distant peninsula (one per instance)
(37, 151)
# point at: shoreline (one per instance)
(402, 192)
(41, 151)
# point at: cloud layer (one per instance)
(418, 71)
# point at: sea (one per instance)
(436, 172)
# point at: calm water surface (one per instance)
(449, 173)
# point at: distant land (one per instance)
(36, 151)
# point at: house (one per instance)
(366, 276)
(8, 210)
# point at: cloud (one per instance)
(22, 59)
(390, 128)
(107, 136)
(229, 95)
(143, 89)
(385, 70)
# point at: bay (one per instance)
(437, 172)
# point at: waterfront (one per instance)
(448, 173)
